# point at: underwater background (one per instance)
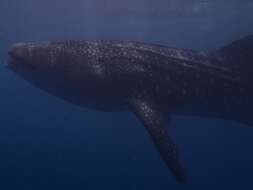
(47, 143)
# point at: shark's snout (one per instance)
(12, 60)
(11, 53)
(18, 56)
(17, 51)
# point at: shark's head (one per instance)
(63, 60)
(27, 56)
(59, 67)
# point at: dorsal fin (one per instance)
(238, 56)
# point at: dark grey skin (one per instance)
(150, 80)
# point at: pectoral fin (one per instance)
(155, 122)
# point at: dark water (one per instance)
(46, 143)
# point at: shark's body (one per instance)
(150, 80)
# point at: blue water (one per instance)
(46, 143)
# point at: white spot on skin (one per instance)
(179, 55)
(99, 70)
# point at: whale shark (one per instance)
(152, 81)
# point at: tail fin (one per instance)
(238, 56)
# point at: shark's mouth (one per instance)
(14, 56)
(14, 62)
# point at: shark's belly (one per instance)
(235, 107)
(91, 102)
